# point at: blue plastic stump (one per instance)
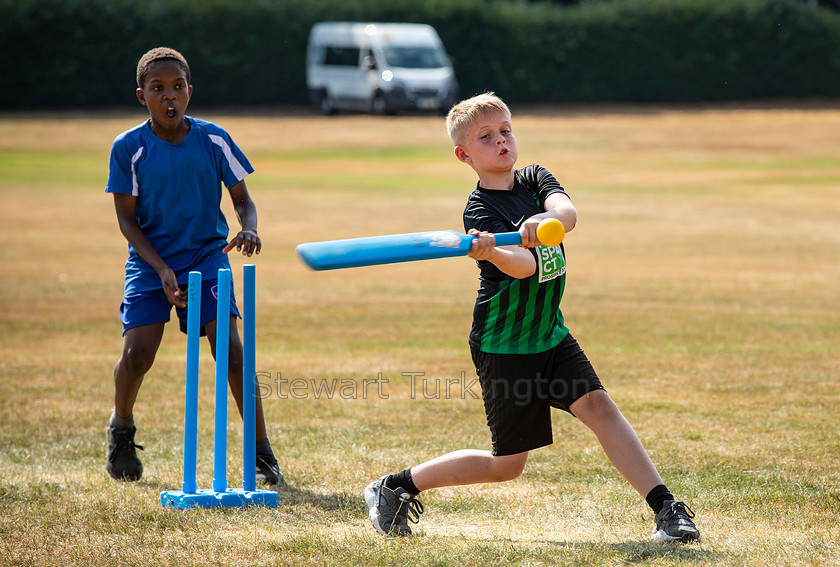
(191, 401)
(249, 401)
(222, 338)
(220, 496)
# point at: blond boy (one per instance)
(526, 359)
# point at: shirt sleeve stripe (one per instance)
(135, 187)
(235, 166)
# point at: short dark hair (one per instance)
(159, 54)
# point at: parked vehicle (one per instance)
(378, 68)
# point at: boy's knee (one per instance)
(137, 360)
(595, 406)
(509, 467)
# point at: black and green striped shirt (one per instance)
(517, 316)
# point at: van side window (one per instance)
(343, 56)
(368, 60)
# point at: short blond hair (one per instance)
(467, 111)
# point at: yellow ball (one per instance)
(551, 232)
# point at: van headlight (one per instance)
(387, 75)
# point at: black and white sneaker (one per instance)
(391, 510)
(123, 463)
(268, 471)
(673, 523)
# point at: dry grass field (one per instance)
(703, 284)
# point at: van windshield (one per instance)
(414, 57)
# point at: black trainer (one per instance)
(268, 471)
(123, 463)
(391, 510)
(673, 523)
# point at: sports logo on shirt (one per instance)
(552, 264)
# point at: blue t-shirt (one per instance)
(179, 193)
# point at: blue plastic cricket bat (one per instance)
(392, 248)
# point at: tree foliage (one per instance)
(83, 53)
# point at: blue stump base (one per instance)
(230, 498)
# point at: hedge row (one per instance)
(83, 53)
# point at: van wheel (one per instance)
(379, 105)
(326, 104)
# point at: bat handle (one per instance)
(508, 239)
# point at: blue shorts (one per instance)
(150, 307)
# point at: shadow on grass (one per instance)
(631, 552)
(288, 496)
(328, 501)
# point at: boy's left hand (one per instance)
(246, 241)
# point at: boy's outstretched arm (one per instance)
(557, 206)
(126, 207)
(247, 241)
(515, 261)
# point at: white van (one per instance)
(378, 68)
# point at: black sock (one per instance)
(263, 447)
(402, 480)
(657, 496)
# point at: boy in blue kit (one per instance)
(166, 175)
(526, 360)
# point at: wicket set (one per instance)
(220, 495)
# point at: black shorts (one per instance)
(519, 391)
